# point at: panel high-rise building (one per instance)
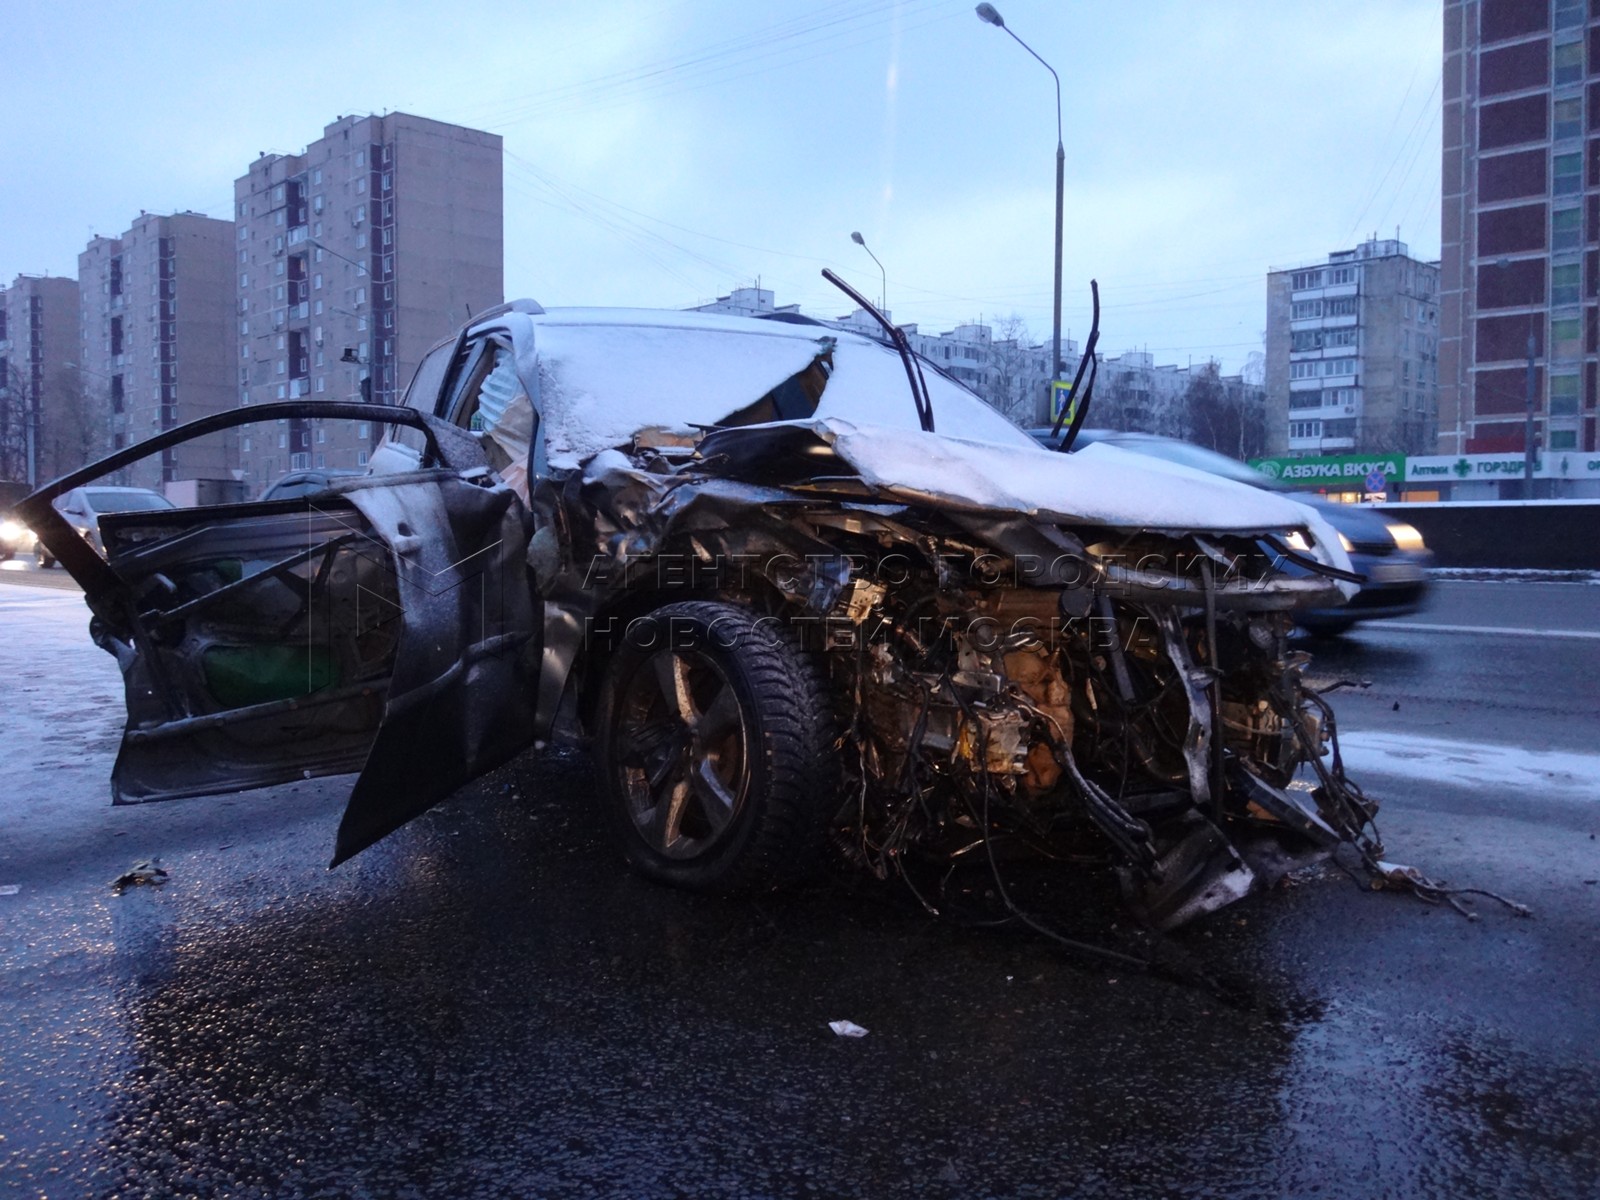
(353, 258)
(1352, 353)
(1521, 224)
(157, 341)
(41, 433)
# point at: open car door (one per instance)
(384, 625)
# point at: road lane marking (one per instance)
(1587, 635)
(1561, 773)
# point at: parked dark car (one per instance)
(84, 506)
(306, 483)
(798, 596)
(1389, 553)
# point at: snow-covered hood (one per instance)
(1098, 485)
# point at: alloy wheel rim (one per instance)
(683, 753)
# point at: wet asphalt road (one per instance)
(486, 1004)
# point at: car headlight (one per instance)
(1296, 540)
(1349, 546)
(13, 531)
(1406, 536)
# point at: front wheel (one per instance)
(714, 738)
(44, 560)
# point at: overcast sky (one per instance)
(661, 153)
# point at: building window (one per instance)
(244, 279)
(1569, 63)
(1566, 338)
(1303, 310)
(361, 158)
(316, 308)
(1568, 171)
(1564, 284)
(1569, 118)
(1305, 429)
(361, 458)
(1301, 280)
(1566, 228)
(361, 184)
(1341, 275)
(362, 429)
(1341, 306)
(1563, 395)
(316, 282)
(1563, 439)
(1569, 13)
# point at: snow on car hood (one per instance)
(1100, 484)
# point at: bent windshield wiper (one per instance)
(1081, 408)
(919, 385)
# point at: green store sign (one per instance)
(1337, 470)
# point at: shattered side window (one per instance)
(423, 394)
(497, 404)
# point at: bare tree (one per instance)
(69, 436)
(1222, 414)
(1012, 383)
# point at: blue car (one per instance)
(1390, 553)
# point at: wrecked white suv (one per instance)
(800, 595)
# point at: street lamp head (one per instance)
(988, 14)
(858, 239)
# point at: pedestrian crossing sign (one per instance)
(1061, 400)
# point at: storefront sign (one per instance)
(1342, 470)
(1461, 468)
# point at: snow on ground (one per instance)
(1552, 773)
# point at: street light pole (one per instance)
(883, 294)
(988, 14)
(1527, 433)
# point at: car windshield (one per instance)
(106, 500)
(605, 375)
